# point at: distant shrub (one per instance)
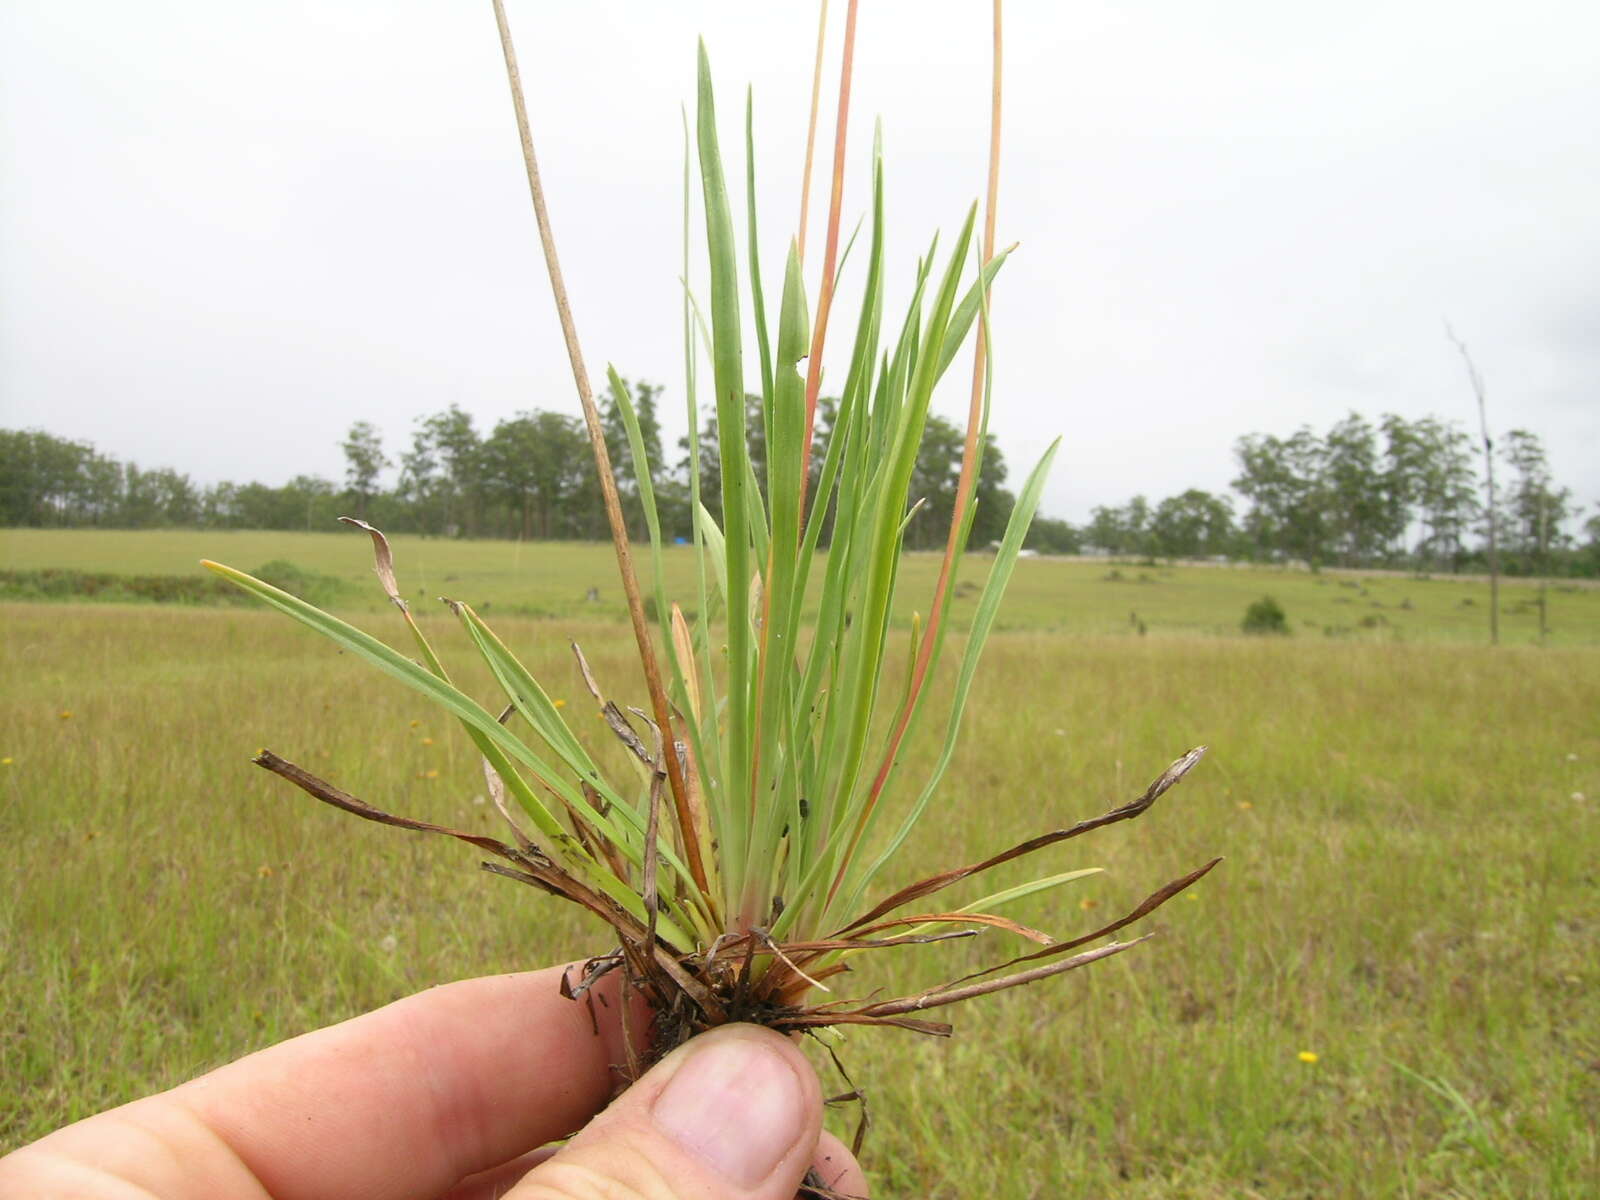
(52, 583)
(310, 586)
(1266, 615)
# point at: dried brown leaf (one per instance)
(383, 561)
(1179, 768)
(955, 995)
(683, 646)
(1145, 907)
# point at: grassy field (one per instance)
(1057, 595)
(1410, 892)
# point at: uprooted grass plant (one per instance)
(738, 865)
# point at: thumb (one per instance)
(733, 1114)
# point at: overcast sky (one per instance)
(227, 231)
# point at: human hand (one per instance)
(447, 1095)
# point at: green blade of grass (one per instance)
(728, 372)
(564, 848)
(884, 553)
(982, 623)
(967, 311)
(1002, 898)
(537, 708)
(785, 449)
(758, 301)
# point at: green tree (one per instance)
(1445, 489)
(420, 482)
(1049, 535)
(258, 506)
(1534, 508)
(152, 499)
(459, 449)
(141, 505)
(309, 502)
(1192, 524)
(365, 459)
(1105, 530)
(1589, 556)
(1366, 504)
(1283, 479)
(46, 480)
(535, 465)
(219, 506)
(1121, 530)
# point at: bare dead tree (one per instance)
(1544, 568)
(1488, 471)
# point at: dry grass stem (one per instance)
(597, 441)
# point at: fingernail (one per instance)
(736, 1103)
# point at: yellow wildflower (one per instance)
(66, 714)
(561, 703)
(427, 741)
(7, 761)
(1308, 1056)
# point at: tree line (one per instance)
(531, 476)
(1390, 493)
(1395, 492)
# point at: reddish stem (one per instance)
(830, 254)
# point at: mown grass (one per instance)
(1409, 892)
(553, 579)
